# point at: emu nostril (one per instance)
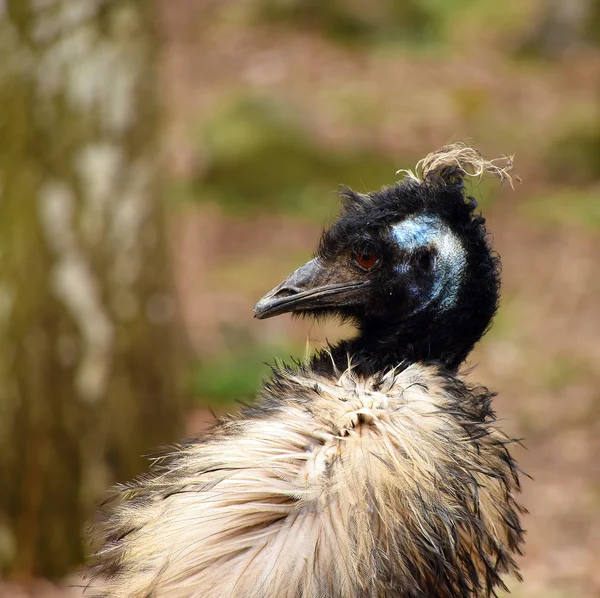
(271, 303)
(286, 292)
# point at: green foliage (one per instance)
(236, 374)
(261, 157)
(347, 21)
(578, 208)
(592, 24)
(574, 156)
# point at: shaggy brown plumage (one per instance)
(393, 486)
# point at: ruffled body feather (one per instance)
(396, 485)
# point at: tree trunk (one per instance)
(87, 369)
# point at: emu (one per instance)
(371, 470)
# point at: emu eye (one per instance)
(365, 260)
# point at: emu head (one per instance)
(410, 265)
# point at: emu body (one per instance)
(373, 470)
(394, 485)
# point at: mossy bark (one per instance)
(87, 372)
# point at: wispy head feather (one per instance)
(456, 161)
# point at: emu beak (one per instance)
(311, 286)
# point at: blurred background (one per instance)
(163, 164)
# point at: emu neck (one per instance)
(379, 348)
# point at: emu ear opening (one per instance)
(452, 163)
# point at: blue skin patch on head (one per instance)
(427, 230)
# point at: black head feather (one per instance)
(410, 265)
